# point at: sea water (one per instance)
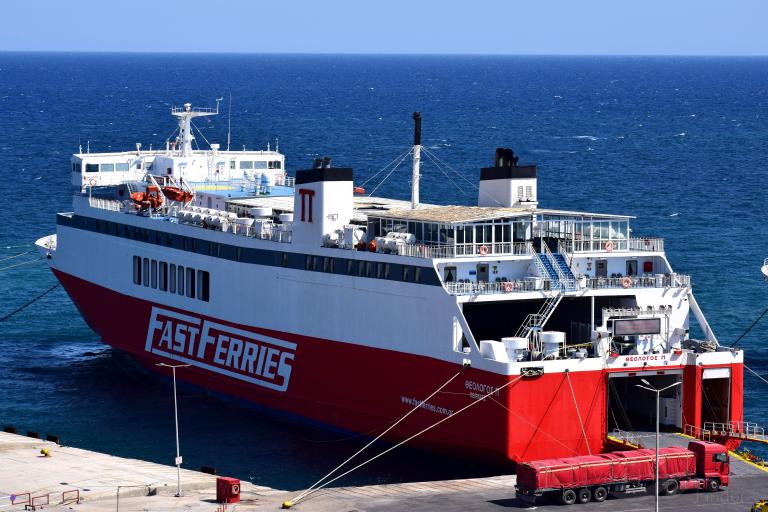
(679, 143)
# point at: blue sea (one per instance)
(679, 143)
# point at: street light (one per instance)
(658, 413)
(176, 418)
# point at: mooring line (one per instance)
(756, 374)
(396, 423)
(46, 292)
(289, 504)
(15, 256)
(20, 264)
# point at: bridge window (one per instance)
(91, 167)
(77, 167)
(247, 165)
(123, 167)
(107, 167)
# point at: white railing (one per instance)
(275, 235)
(631, 244)
(105, 204)
(289, 181)
(650, 281)
(487, 288)
(463, 250)
(533, 283)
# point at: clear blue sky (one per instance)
(648, 27)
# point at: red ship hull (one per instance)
(363, 389)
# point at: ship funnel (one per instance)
(506, 184)
(322, 202)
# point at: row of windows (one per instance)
(359, 268)
(172, 278)
(113, 167)
(344, 266)
(257, 164)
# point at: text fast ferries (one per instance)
(220, 348)
(350, 310)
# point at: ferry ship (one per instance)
(303, 294)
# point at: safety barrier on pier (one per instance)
(741, 430)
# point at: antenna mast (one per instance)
(416, 160)
(229, 121)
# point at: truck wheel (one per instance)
(713, 485)
(568, 497)
(599, 494)
(584, 495)
(670, 487)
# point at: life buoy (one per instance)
(235, 488)
(483, 250)
(609, 246)
(508, 286)
(92, 182)
(626, 282)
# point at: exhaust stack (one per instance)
(416, 160)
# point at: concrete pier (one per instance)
(148, 486)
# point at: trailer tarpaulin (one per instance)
(626, 466)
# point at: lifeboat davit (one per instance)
(149, 199)
(177, 194)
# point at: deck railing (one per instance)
(532, 284)
(463, 250)
(626, 244)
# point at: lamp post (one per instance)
(176, 418)
(658, 413)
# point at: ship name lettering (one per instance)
(650, 357)
(220, 348)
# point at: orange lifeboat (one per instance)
(177, 194)
(149, 199)
(358, 190)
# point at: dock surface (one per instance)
(148, 486)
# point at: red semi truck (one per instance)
(591, 477)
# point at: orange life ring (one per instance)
(92, 182)
(609, 246)
(483, 250)
(508, 286)
(235, 488)
(626, 282)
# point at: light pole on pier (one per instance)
(658, 413)
(176, 418)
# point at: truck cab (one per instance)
(712, 462)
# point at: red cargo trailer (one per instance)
(591, 477)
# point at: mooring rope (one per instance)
(16, 256)
(20, 264)
(750, 327)
(756, 374)
(303, 495)
(46, 292)
(396, 423)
